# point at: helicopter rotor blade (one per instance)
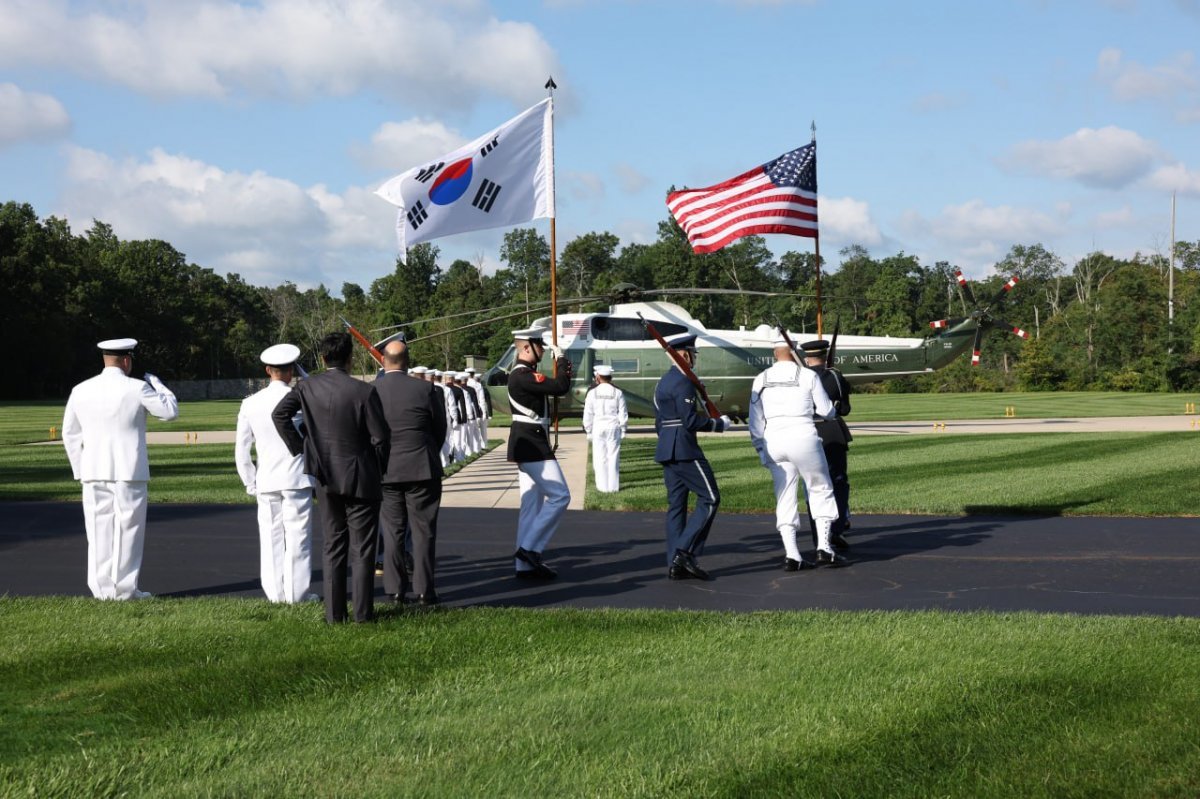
(977, 345)
(965, 288)
(1004, 290)
(1016, 331)
(943, 324)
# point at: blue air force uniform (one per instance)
(685, 469)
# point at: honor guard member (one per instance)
(283, 489)
(458, 444)
(544, 492)
(485, 404)
(104, 431)
(835, 438)
(435, 377)
(605, 418)
(474, 411)
(783, 399)
(685, 469)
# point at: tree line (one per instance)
(1100, 323)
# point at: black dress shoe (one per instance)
(678, 573)
(792, 565)
(430, 599)
(831, 559)
(687, 562)
(839, 542)
(534, 559)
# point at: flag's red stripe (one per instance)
(764, 190)
(755, 230)
(716, 226)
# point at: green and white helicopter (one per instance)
(729, 360)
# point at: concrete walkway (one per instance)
(491, 481)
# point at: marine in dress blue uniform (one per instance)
(685, 469)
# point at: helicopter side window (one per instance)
(624, 365)
(615, 328)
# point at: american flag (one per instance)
(575, 327)
(778, 197)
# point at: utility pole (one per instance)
(1171, 283)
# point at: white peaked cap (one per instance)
(603, 370)
(418, 370)
(531, 334)
(280, 355)
(435, 372)
(470, 370)
(118, 344)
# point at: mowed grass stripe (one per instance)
(1120, 474)
(238, 697)
(22, 422)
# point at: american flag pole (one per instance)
(817, 246)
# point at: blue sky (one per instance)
(252, 135)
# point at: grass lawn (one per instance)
(22, 422)
(1117, 474)
(223, 697)
(178, 473)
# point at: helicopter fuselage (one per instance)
(727, 362)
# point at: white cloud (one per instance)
(441, 53)
(1118, 218)
(848, 221)
(939, 101)
(29, 115)
(1174, 83)
(983, 227)
(630, 179)
(265, 228)
(1176, 177)
(399, 146)
(1110, 157)
(583, 186)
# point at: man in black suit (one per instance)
(346, 449)
(412, 483)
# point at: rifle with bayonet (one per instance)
(684, 367)
(363, 340)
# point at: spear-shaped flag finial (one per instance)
(814, 130)
(551, 85)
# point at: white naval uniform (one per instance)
(451, 410)
(285, 497)
(104, 431)
(482, 421)
(605, 418)
(455, 429)
(471, 442)
(782, 401)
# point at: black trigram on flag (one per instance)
(486, 196)
(417, 214)
(425, 174)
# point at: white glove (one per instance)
(726, 423)
(555, 351)
(252, 490)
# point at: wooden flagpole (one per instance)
(550, 87)
(817, 244)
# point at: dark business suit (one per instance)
(346, 449)
(685, 469)
(412, 483)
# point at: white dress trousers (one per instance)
(104, 431)
(783, 399)
(284, 493)
(605, 418)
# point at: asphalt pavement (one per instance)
(998, 563)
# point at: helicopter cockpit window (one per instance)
(506, 360)
(615, 328)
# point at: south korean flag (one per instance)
(505, 177)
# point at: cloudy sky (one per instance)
(252, 135)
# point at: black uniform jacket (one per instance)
(529, 388)
(416, 413)
(834, 431)
(346, 446)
